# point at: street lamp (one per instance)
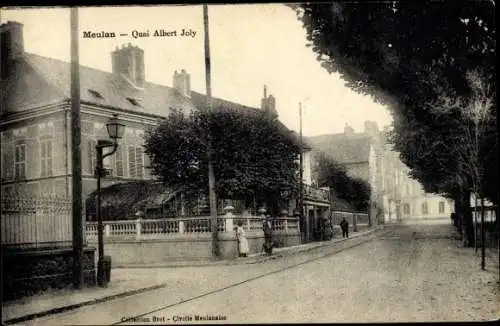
(115, 131)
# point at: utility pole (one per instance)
(301, 181)
(211, 174)
(76, 165)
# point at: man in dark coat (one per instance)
(268, 235)
(344, 225)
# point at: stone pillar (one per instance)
(181, 226)
(138, 229)
(107, 230)
(229, 218)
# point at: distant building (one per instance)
(359, 153)
(368, 156)
(405, 198)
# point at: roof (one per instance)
(128, 197)
(345, 149)
(40, 81)
(49, 79)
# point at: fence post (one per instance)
(138, 229)
(229, 221)
(248, 223)
(229, 218)
(181, 226)
(107, 229)
(285, 223)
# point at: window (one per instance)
(135, 162)
(46, 157)
(406, 208)
(425, 208)
(441, 207)
(20, 161)
(119, 163)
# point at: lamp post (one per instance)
(115, 131)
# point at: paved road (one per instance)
(411, 273)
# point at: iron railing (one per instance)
(40, 221)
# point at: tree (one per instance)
(333, 175)
(407, 55)
(254, 156)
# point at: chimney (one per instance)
(11, 46)
(128, 61)
(268, 104)
(348, 131)
(182, 83)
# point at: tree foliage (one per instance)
(254, 156)
(331, 174)
(412, 56)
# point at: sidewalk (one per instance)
(252, 258)
(56, 301)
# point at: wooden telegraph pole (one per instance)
(301, 179)
(211, 175)
(76, 163)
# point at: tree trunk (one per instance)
(467, 217)
(458, 214)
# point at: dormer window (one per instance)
(134, 101)
(96, 94)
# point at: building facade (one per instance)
(405, 198)
(36, 128)
(368, 156)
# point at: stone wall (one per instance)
(188, 247)
(30, 272)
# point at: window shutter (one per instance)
(139, 162)
(7, 160)
(46, 157)
(20, 161)
(131, 162)
(119, 162)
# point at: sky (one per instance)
(250, 45)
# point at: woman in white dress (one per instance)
(242, 240)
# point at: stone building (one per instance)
(405, 198)
(368, 155)
(360, 154)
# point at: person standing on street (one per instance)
(242, 240)
(268, 235)
(344, 225)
